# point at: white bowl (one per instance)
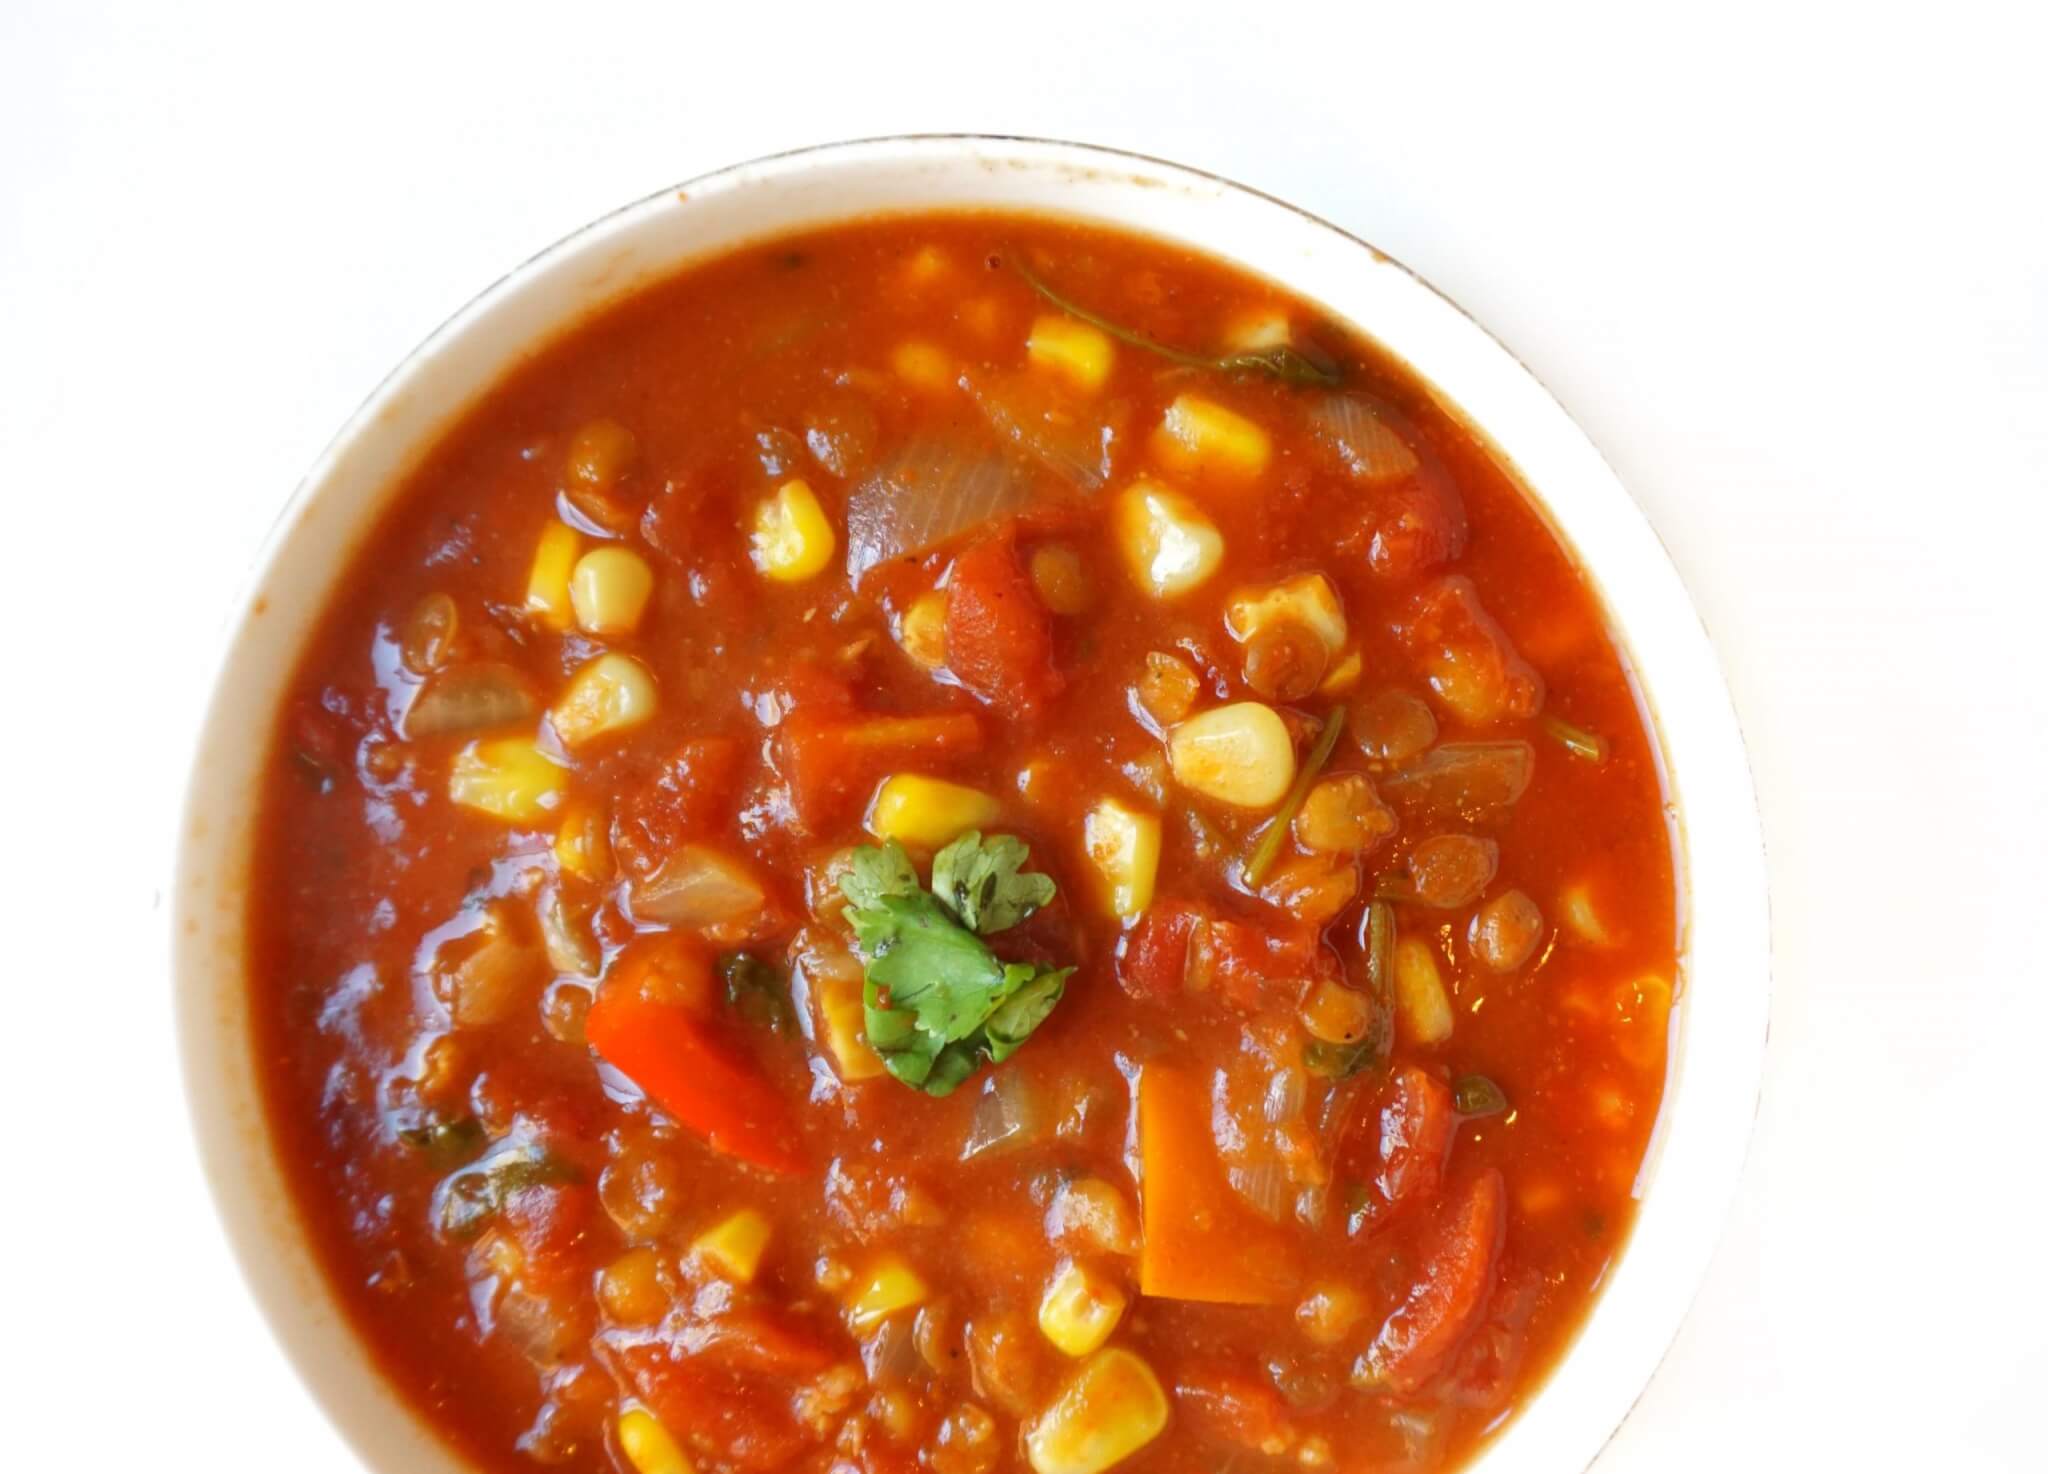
(1718, 1039)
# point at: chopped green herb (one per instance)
(1285, 363)
(937, 1000)
(757, 991)
(469, 1200)
(1269, 843)
(1337, 1061)
(1577, 740)
(446, 1144)
(1475, 1095)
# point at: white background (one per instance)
(1789, 268)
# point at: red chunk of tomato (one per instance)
(998, 634)
(1178, 945)
(550, 1222)
(1152, 957)
(1229, 1407)
(741, 1418)
(694, 794)
(1467, 657)
(1417, 525)
(1395, 1147)
(831, 761)
(1459, 1262)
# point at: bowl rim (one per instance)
(272, 1245)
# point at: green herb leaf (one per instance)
(980, 882)
(447, 1144)
(1475, 1095)
(468, 1201)
(936, 1000)
(1286, 364)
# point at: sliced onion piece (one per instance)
(1007, 1116)
(698, 886)
(469, 698)
(934, 487)
(1469, 778)
(1371, 450)
(1026, 412)
(1265, 1187)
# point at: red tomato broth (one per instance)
(365, 867)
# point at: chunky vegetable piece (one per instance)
(962, 845)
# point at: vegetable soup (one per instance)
(964, 843)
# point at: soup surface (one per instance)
(967, 844)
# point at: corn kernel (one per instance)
(1080, 354)
(609, 589)
(647, 1445)
(921, 630)
(922, 365)
(547, 584)
(1241, 754)
(843, 1028)
(1124, 846)
(927, 812)
(607, 695)
(1307, 599)
(888, 1286)
(1343, 675)
(583, 841)
(630, 1288)
(1257, 330)
(926, 265)
(793, 539)
(734, 1247)
(1576, 907)
(1170, 545)
(1419, 991)
(1198, 434)
(1059, 578)
(509, 778)
(1112, 1407)
(1080, 1309)
(1329, 1313)
(1093, 1213)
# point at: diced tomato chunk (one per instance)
(1231, 1407)
(1417, 525)
(1152, 957)
(551, 1224)
(1466, 656)
(1394, 1147)
(763, 1341)
(831, 761)
(694, 794)
(1450, 1295)
(998, 634)
(741, 1418)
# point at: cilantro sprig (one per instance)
(937, 1000)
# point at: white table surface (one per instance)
(1789, 269)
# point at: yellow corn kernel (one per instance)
(647, 1445)
(1329, 1313)
(630, 1288)
(509, 778)
(793, 538)
(843, 1028)
(1307, 599)
(921, 630)
(888, 1286)
(547, 584)
(609, 589)
(1092, 1213)
(926, 265)
(927, 812)
(607, 695)
(1123, 844)
(1241, 754)
(1080, 354)
(1419, 991)
(1343, 675)
(1198, 434)
(583, 841)
(1112, 1407)
(1170, 546)
(1080, 1309)
(1576, 907)
(735, 1245)
(1059, 578)
(922, 365)
(1257, 330)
